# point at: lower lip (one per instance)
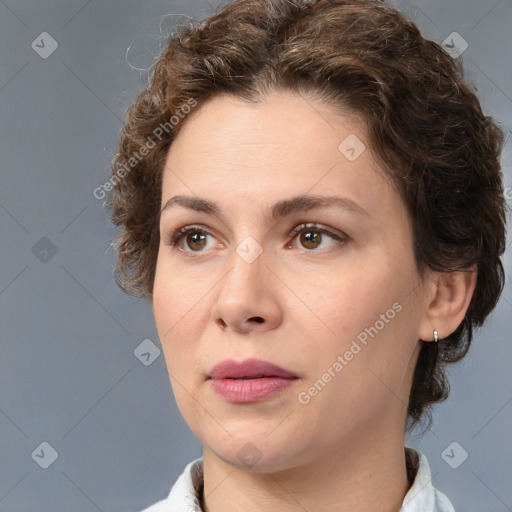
(250, 390)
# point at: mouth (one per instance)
(259, 377)
(249, 381)
(249, 369)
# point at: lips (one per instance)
(248, 369)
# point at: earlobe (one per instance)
(451, 295)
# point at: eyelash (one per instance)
(174, 238)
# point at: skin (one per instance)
(344, 450)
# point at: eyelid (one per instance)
(325, 230)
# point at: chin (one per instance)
(258, 453)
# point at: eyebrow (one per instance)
(277, 211)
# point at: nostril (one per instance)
(257, 319)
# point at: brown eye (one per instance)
(310, 239)
(196, 240)
(314, 238)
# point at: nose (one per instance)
(248, 297)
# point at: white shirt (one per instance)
(421, 497)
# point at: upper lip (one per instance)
(248, 368)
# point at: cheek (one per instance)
(176, 315)
(368, 305)
(366, 353)
(178, 325)
(177, 294)
(344, 302)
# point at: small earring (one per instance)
(436, 336)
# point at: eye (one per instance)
(311, 236)
(193, 236)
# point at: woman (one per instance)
(311, 197)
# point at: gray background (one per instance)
(68, 372)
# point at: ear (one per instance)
(448, 302)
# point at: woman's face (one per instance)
(337, 305)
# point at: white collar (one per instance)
(421, 497)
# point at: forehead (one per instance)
(286, 145)
(280, 126)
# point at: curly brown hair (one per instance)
(425, 123)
